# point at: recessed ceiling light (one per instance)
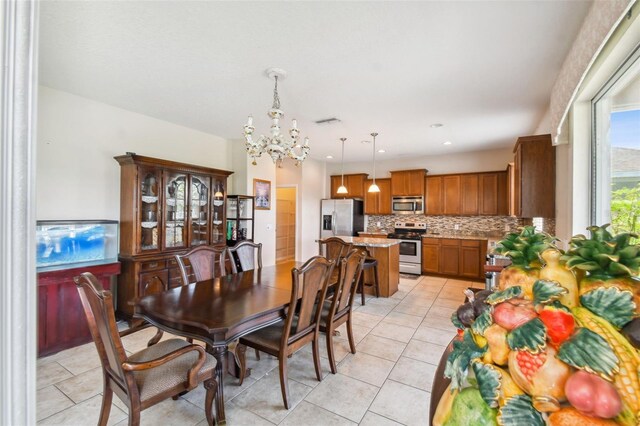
(329, 156)
(436, 125)
(381, 151)
(446, 143)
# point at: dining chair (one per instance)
(337, 310)
(206, 262)
(149, 376)
(300, 326)
(248, 255)
(370, 262)
(334, 249)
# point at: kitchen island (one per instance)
(387, 252)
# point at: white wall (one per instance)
(77, 177)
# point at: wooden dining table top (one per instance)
(222, 309)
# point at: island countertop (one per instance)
(370, 242)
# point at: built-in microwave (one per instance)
(407, 205)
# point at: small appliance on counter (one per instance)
(341, 217)
(410, 236)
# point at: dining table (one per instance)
(218, 311)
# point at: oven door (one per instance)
(410, 251)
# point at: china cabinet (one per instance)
(166, 208)
(240, 218)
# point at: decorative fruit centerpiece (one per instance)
(547, 347)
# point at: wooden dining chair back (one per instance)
(206, 262)
(248, 255)
(333, 248)
(338, 310)
(149, 376)
(300, 326)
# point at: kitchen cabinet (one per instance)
(493, 194)
(452, 257)
(433, 197)
(378, 202)
(469, 194)
(451, 194)
(408, 183)
(166, 208)
(534, 177)
(353, 182)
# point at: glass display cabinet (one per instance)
(240, 218)
(166, 208)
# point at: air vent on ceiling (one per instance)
(331, 120)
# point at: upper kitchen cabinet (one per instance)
(534, 177)
(469, 194)
(451, 194)
(433, 195)
(353, 182)
(493, 197)
(408, 182)
(378, 202)
(483, 194)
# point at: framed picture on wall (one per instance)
(262, 192)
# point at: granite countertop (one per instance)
(465, 236)
(374, 232)
(370, 242)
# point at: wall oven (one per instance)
(410, 236)
(407, 205)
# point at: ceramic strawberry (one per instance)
(559, 322)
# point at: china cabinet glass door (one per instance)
(199, 207)
(175, 194)
(217, 212)
(149, 211)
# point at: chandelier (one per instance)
(278, 145)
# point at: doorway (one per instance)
(285, 224)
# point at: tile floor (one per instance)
(387, 382)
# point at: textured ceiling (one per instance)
(483, 68)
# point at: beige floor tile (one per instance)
(381, 347)
(307, 414)
(424, 351)
(399, 295)
(373, 419)
(83, 386)
(479, 285)
(402, 403)
(170, 412)
(81, 359)
(410, 309)
(393, 331)
(366, 320)
(359, 332)
(49, 401)
(50, 373)
(373, 309)
(435, 335)
(419, 300)
(265, 399)
(413, 373)
(452, 292)
(301, 368)
(344, 396)
(443, 312)
(382, 301)
(399, 318)
(436, 321)
(365, 367)
(458, 283)
(231, 390)
(260, 367)
(340, 349)
(448, 303)
(85, 413)
(235, 416)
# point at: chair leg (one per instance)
(156, 338)
(361, 287)
(284, 385)
(352, 342)
(258, 355)
(134, 416)
(332, 358)
(212, 388)
(242, 360)
(107, 397)
(375, 280)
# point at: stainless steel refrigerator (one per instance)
(341, 218)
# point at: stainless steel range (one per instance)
(410, 236)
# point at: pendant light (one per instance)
(374, 187)
(342, 189)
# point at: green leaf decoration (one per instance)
(482, 322)
(464, 351)
(489, 381)
(518, 411)
(586, 350)
(611, 303)
(456, 321)
(545, 291)
(530, 336)
(501, 296)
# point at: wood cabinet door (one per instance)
(503, 194)
(511, 189)
(517, 187)
(449, 257)
(153, 282)
(415, 183)
(398, 184)
(469, 194)
(370, 199)
(384, 196)
(470, 263)
(355, 185)
(488, 198)
(451, 194)
(430, 258)
(433, 197)
(335, 184)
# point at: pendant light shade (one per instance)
(374, 187)
(342, 189)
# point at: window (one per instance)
(615, 171)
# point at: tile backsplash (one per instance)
(466, 224)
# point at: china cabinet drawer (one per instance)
(155, 265)
(175, 278)
(153, 282)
